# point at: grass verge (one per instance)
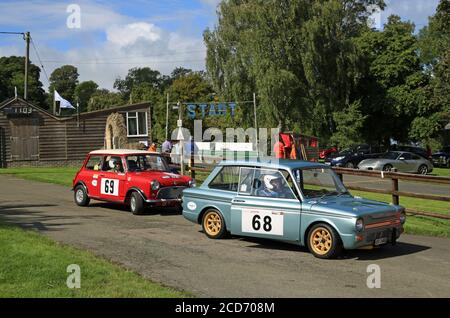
(32, 265)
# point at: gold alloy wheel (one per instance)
(321, 241)
(212, 223)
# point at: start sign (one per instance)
(210, 110)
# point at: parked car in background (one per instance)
(351, 157)
(442, 157)
(295, 201)
(417, 150)
(134, 177)
(401, 161)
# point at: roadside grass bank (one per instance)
(32, 265)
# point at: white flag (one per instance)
(62, 102)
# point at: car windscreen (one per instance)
(138, 163)
(318, 182)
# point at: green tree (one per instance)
(391, 90)
(434, 49)
(192, 87)
(83, 93)
(64, 80)
(103, 99)
(12, 74)
(137, 76)
(349, 122)
(178, 72)
(298, 57)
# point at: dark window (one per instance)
(227, 179)
(137, 124)
(406, 156)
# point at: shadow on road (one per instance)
(28, 216)
(124, 208)
(388, 251)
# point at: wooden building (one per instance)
(31, 136)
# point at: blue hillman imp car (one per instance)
(295, 201)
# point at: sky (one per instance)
(104, 39)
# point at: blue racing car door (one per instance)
(266, 205)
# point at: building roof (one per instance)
(74, 116)
(274, 163)
(120, 152)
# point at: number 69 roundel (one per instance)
(262, 221)
(110, 187)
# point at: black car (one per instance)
(442, 157)
(417, 150)
(351, 157)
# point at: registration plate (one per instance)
(380, 241)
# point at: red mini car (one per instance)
(133, 177)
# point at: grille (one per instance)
(170, 193)
(376, 235)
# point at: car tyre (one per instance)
(213, 225)
(423, 169)
(387, 168)
(350, 165)
(324, 242)
(80, 196)
(136, 203)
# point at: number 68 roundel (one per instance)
(109, 187)
(262, 221)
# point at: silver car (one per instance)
(399, 160)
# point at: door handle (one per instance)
(238, 201)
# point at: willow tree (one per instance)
(297, 55)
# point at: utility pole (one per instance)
(167, 117)
(27, 58)
(256, 124)
(180, 133)
(26, 37)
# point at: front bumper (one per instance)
(374, 237)
(164, 202)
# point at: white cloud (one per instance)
(107, 45)
(124, 35)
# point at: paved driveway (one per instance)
(164, 247)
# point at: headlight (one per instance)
(359, 226)
(192, 183)
(338, 158)
(155, 185)
(403, 217)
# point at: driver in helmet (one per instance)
(273, 187)
(116, 165)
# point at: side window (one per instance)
(271, 183)
(113, 164)
(246, 181)
(415, 157)
(406, 156)
(94, 163)
(227, 179)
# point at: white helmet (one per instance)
(112, 163)
(268, 179)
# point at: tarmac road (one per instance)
(164, 247)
